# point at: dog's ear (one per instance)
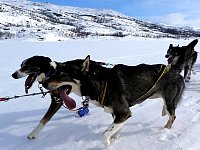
(86, 64)
(170, 46)
(50, 72)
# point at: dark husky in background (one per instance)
(181, 52)
(118, 88)
(37, 68)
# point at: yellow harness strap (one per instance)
(102, 98)
(164, 71)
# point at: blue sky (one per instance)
(173, 12)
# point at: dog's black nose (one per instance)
(14, 75)
(167, 55)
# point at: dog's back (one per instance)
(137, 83)
(133, 80)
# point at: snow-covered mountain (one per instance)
(25, 19)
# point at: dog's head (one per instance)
(180, 55)
(67, 79)
(68, 73)
(172, 52)
(74, 73)
(36, 68)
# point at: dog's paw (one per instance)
(116, 136)
(193, 72)
(187, 80)
(31, 137)
(36, 131)
(106, 141)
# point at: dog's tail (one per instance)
(193, 43)
(190, 47)
(187, 53)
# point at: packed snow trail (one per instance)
(144, 130)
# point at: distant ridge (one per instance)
(25, 19)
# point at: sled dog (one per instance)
(117, 89)
(181, 52)
(36, 68)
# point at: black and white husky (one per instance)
(117, 89)
(36, 68)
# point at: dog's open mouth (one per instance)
(29, 81)
(170, 59)
(64, 95)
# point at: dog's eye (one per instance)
(26, 66)
(96, 73)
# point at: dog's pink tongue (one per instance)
(68, 101)
(29, 82)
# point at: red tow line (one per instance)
(4, 99)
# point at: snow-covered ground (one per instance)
(66, 131)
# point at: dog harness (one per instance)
(101, 98)
(163, 69)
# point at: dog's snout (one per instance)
(14, 75)
(18, 74)
(167, 55)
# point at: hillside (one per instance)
(25, 19)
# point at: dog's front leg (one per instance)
(116, 135)
(187, 73)
(54, 107)
(111, 131)
(115, 128)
